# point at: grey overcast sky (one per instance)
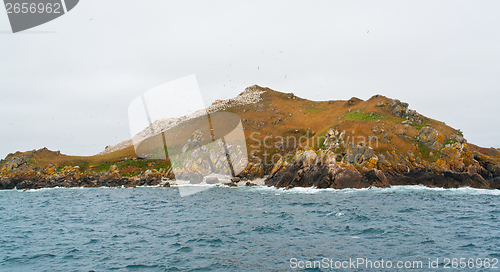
(66, 85)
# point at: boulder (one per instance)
(342, 177)
(358, 153)
(400, 109)
(377, 178)
(453, 156)
(494, 169)
(333, 139)
(235, 179)
(431, 138)
(353, 101)
(195, 178)
(386, 139)
(212, 180)
(458, 138)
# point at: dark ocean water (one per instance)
(245, 229)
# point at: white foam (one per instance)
(296, 190)
(392, 189)
(421, 188)
(197, 185)
(48, 189)
(263, 189)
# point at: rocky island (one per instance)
(290, 142)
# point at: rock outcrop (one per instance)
(320, 169)
(334, 139)
(400, 109)
(74, 177)
(431, 138)
(358, 153)
(457, 166)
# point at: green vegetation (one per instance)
(361, 115)
(450, 142)
(425, 151)
(103, 167)
(140, 164)
(322, 146)
(84, 164)
(312, 109)
(418, 126)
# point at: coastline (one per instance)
(379, 142)
(296, 190)
(432, 181)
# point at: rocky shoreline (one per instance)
(359, 166)
(320, 178)
(307, 168)
(23, 182)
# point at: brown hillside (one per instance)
(286, 122)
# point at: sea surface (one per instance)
(248, 229)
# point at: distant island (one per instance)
(290, 142)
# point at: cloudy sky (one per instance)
(67, 84)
